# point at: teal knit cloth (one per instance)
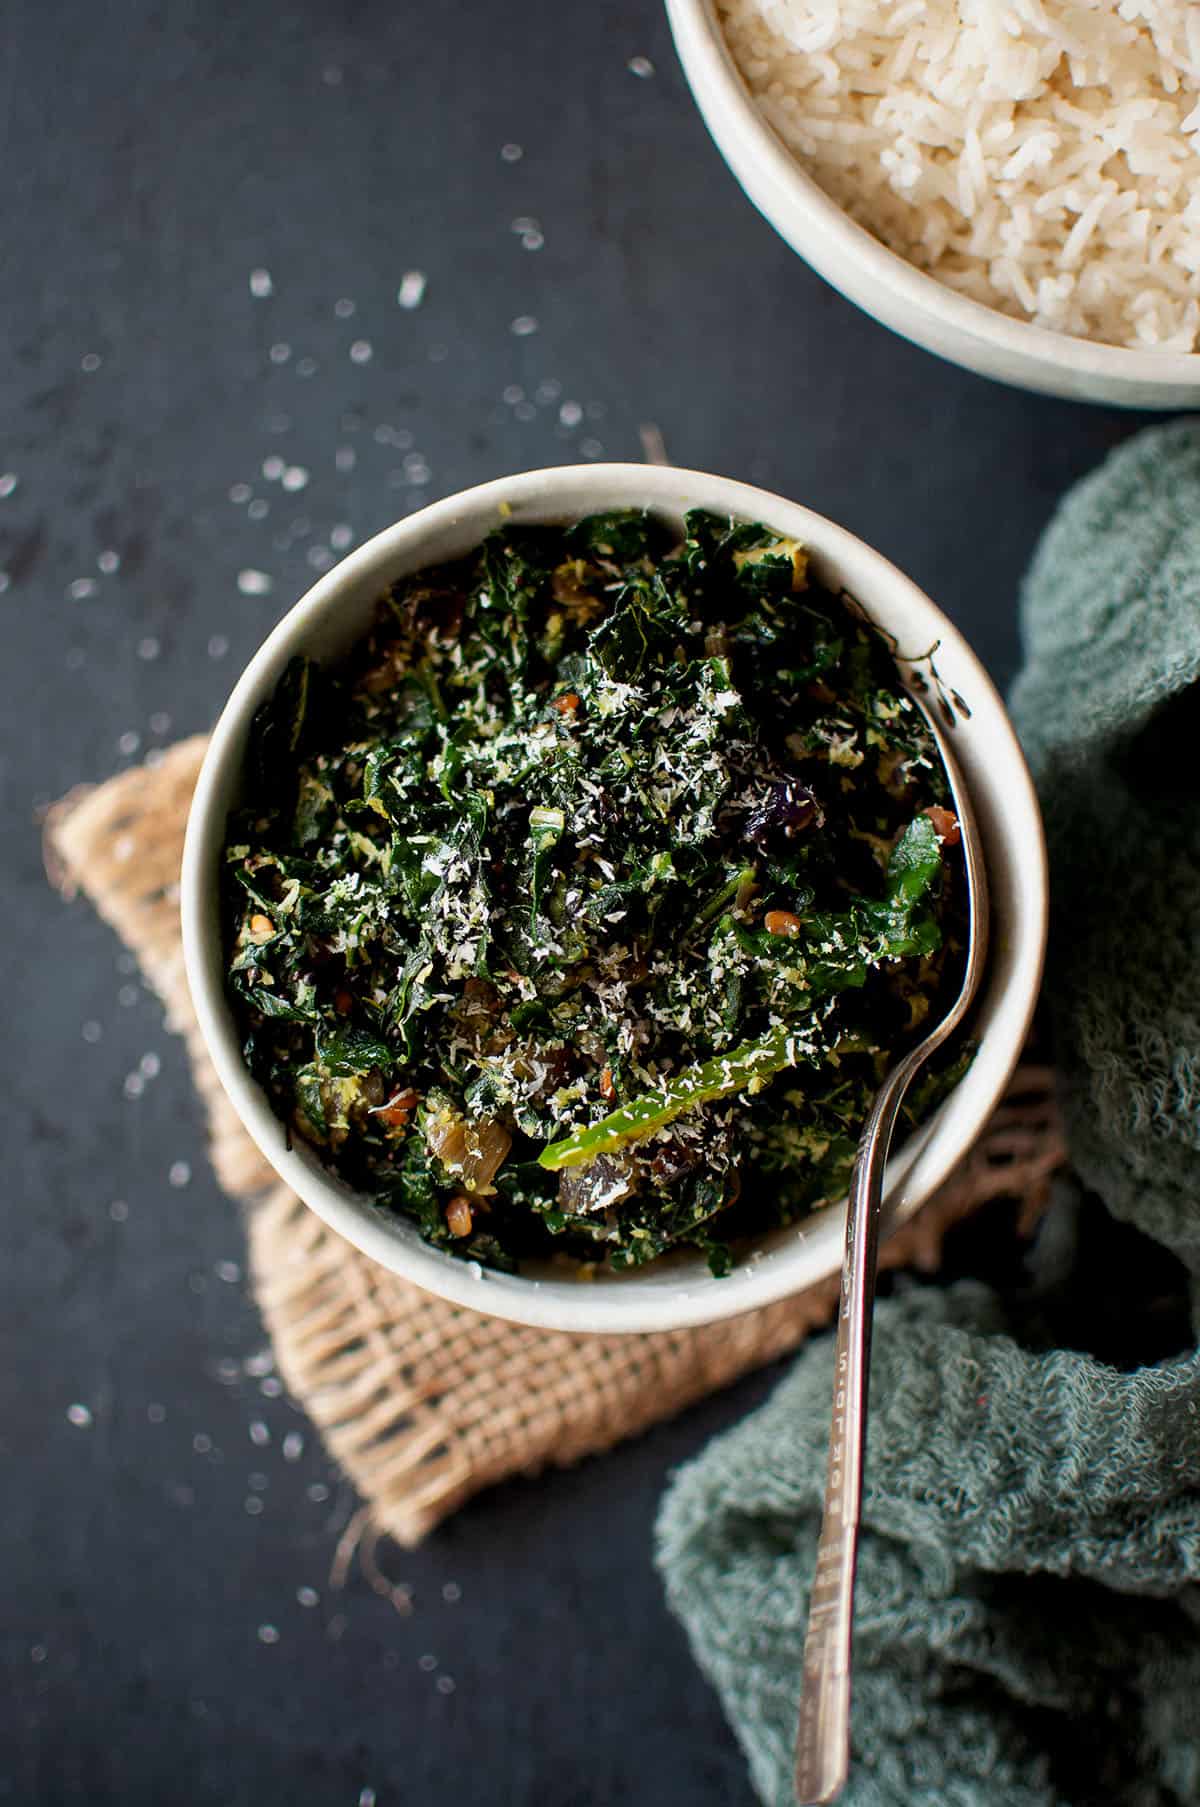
(1028, 1624)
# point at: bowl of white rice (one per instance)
(1012, 184)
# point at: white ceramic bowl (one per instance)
(679, 1290)
(900, 296)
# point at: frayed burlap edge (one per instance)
(423, 1403)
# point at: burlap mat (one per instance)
(424, 1403)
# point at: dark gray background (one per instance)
(153, 156)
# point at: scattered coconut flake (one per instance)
(179, 1174)
(295, 477)
(293, 1446)
(640, 66)
(511, 153)
(362, 351)
(79, 1416)
(261, 284)
(411, 292)
(8, 482)
(523, 325)
(267, 1634)
(108, 563)
(80, 588)
(218, 646)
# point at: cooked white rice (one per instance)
(1042, 156)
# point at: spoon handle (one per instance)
(823, 1738)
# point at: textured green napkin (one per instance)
(1028, 1627)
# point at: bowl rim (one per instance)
(708, 60)
(561, 493)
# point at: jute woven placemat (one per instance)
(424, 1403)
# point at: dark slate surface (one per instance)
(154, 156)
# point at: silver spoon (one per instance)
(823, 1738)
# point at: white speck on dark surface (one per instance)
(306, 367)
(345, 458)
(160, 722)
(90, 362)
(411, 292)
(6, 584)
(178, 1174)
(591, 448)
(151, 1066)
(523, 325)
(109, 562)
(341, 536)
(640, 66)
(513, 394)
(118, 1210)
(134, 1086)
(148, 647)
(293, 1446)
(445, 1684)
(260, 284)
(80, 588)
(129, 743)
(202, 1443)
(428, 1663)
(267, 1634)
(511, 153)
(295, 477)
(261, 1362)
(273, 467)
(259, 509)
(260, 1433)
(366, 1797)
(91, 1031)
(271, 1387)
(258, 1482)
(79, 1416)
(451, 1592)
(156, 1412)
(240, 493)
(343, 308)
(252, 1505)
(127, 996)
(280, 352)
(37, 1653)
(228, 1271)
(570, 414)
(307, 1596)
(318, 1492)
(218, 646)
(319, 557)
(362, 351)
(8, 482)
